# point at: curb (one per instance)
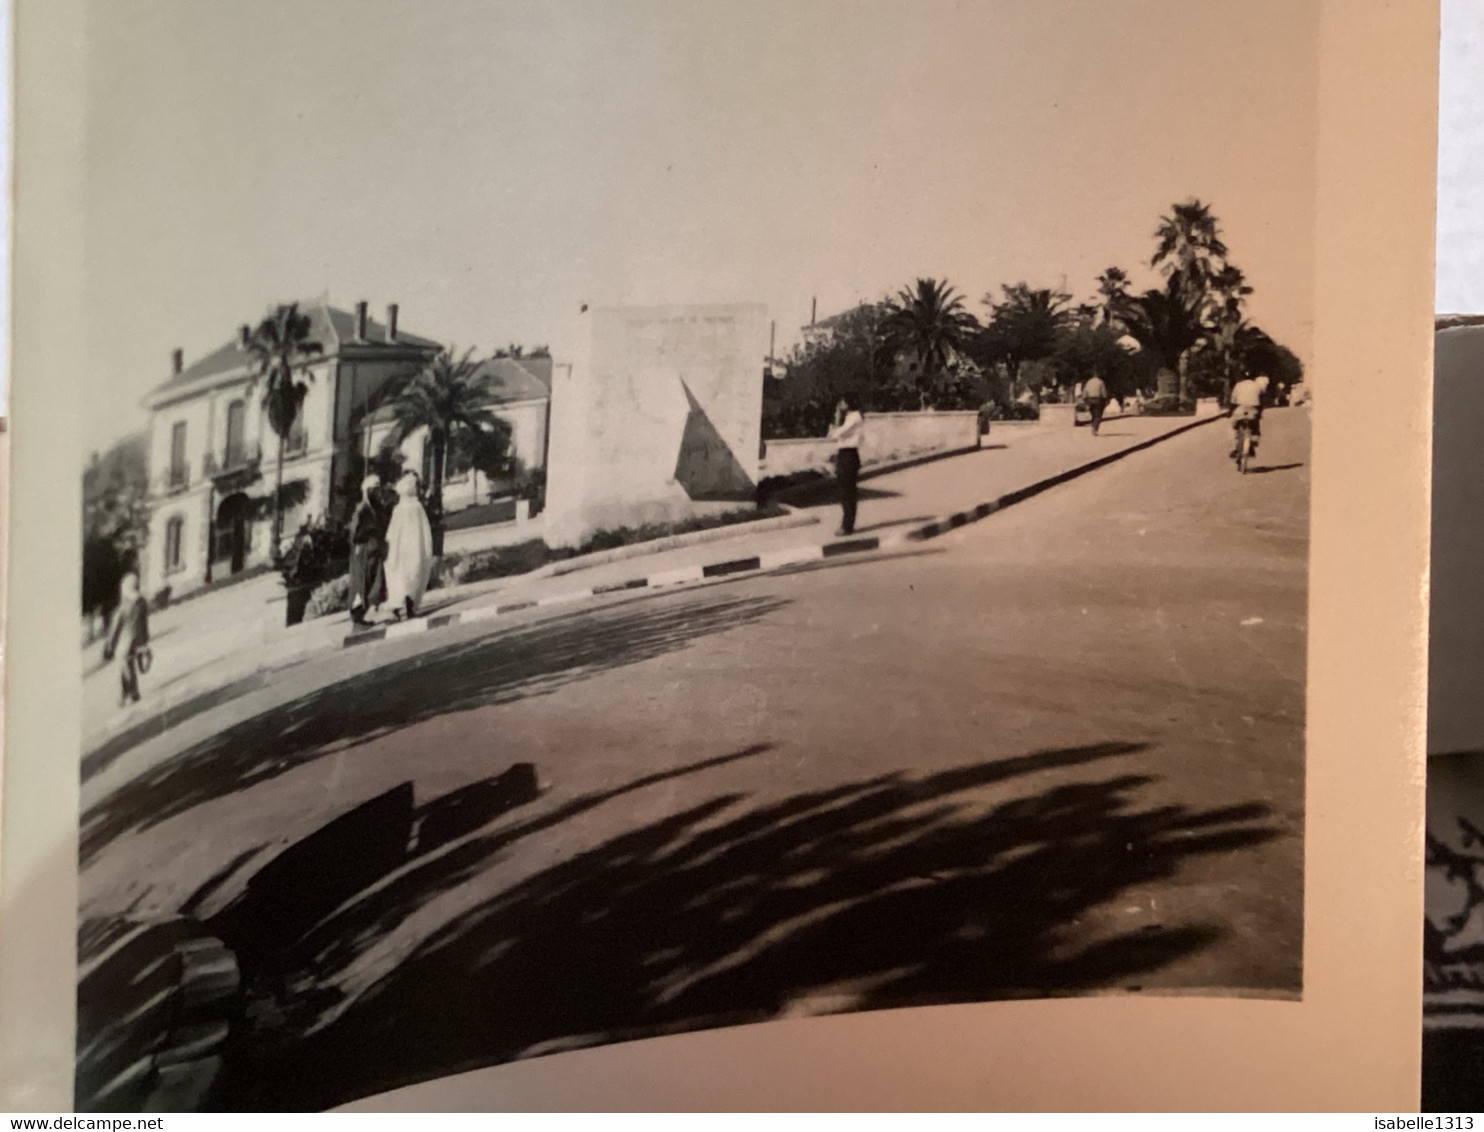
(763, 563)
(757, 563)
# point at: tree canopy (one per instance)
(449, 399)
(1189, 331)
(1025, 325)
(115, 528)
(280, 348)
(928, 327)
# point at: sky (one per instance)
(1460, 283)
(492, 166)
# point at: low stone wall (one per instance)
(888, 437)
(1058, 414)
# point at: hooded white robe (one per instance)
(409, 548)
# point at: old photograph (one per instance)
(606, 520)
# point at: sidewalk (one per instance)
(913, 503)
(898, 506)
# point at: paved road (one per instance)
(1060, 751)
(236, 635)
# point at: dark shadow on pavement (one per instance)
(123, 1014)
(1258, 471)
(108, 752)
(531, 660)
(824, 491)
(897, 890)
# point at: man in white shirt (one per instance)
(1095, 396)
(847, 432)
(1247, 406)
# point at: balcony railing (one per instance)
(235, 470)
(232, 461)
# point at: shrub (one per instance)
(772, 485)
(522, 558)
(1014, 411)
(319, 552)
(530, 484)
(497, 562)
(330, 597)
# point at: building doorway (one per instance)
(233, 531)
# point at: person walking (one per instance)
(1095, 395)
(130, 629)
(367, 550)
(409, 550)
(847, 432)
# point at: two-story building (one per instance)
(212, 453)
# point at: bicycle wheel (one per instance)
(1244, 448)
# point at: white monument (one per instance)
(658, 420)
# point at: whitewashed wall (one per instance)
(888, 437)
(620, 414)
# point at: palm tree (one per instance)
(1224, 318)
(1258, 355)
(281, 349)
(1113, 287)
(1190, 249)
(448, 397)
(1167, 327)
(929, 322)
(1023, 327)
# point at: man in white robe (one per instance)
(409, 550)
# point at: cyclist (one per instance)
(1247, 397)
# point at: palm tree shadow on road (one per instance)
(892, 891)
(532, 660)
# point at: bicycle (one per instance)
(1244, 446)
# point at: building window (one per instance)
(236, 454)
(174, 562)
(179, 472)
(458, 460)
(298, 439)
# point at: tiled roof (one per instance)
(512, 379)
(329, 326)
